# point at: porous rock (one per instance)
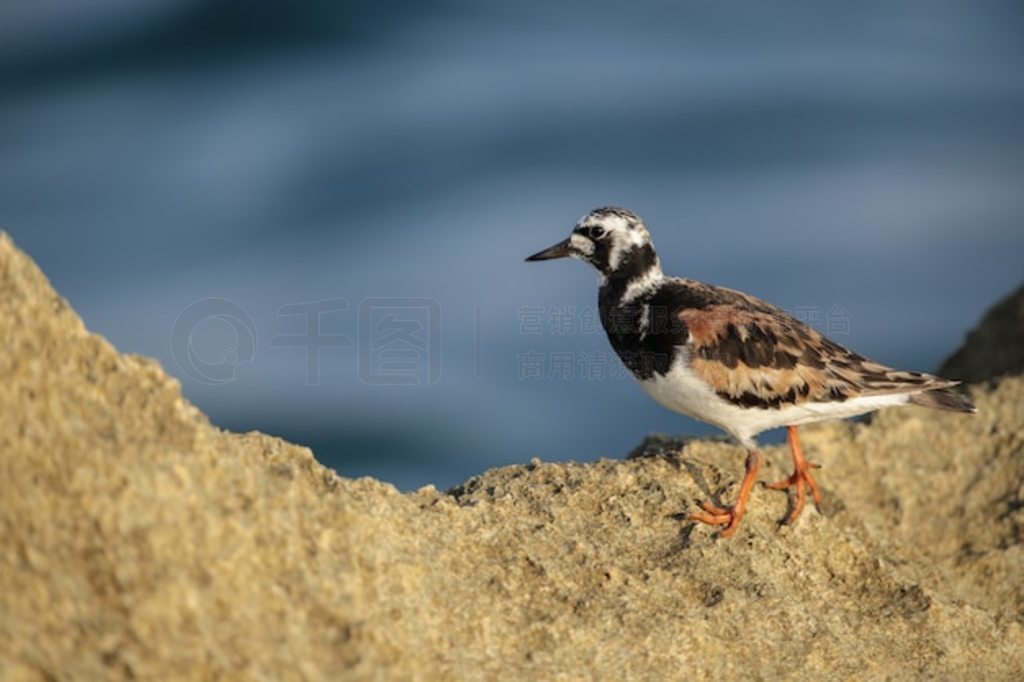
(139, 541)
(995, 347)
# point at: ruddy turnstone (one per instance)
(730, 359)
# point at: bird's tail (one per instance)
(943, 399)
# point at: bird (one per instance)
(729, 359)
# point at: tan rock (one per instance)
(136, 540)
(995, 347)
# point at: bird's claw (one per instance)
(717, 516)
(800, 480)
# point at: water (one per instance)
(859, 166)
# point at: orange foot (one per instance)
(800, 479)
(730, 517)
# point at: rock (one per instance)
(995, 347)
(140, 541)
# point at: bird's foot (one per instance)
(712, 515)
(730, 517)
(801, 480)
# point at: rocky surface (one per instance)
(995, 347)
(139, 541)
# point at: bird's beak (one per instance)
(559, 250)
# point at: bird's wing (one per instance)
(756, 355)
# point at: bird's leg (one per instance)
(730, 517)
(800, 477)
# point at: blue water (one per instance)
(860, 165)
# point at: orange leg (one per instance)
(800, 477)
(730, 517)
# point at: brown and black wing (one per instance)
(756, 355)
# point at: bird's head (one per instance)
(611, 239)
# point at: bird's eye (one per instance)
(597, 232)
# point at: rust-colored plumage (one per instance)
(756, 355)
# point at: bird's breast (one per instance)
(645, 345)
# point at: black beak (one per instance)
(559, 250)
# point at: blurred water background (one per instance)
(860, 164)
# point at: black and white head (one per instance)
(613, 240)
